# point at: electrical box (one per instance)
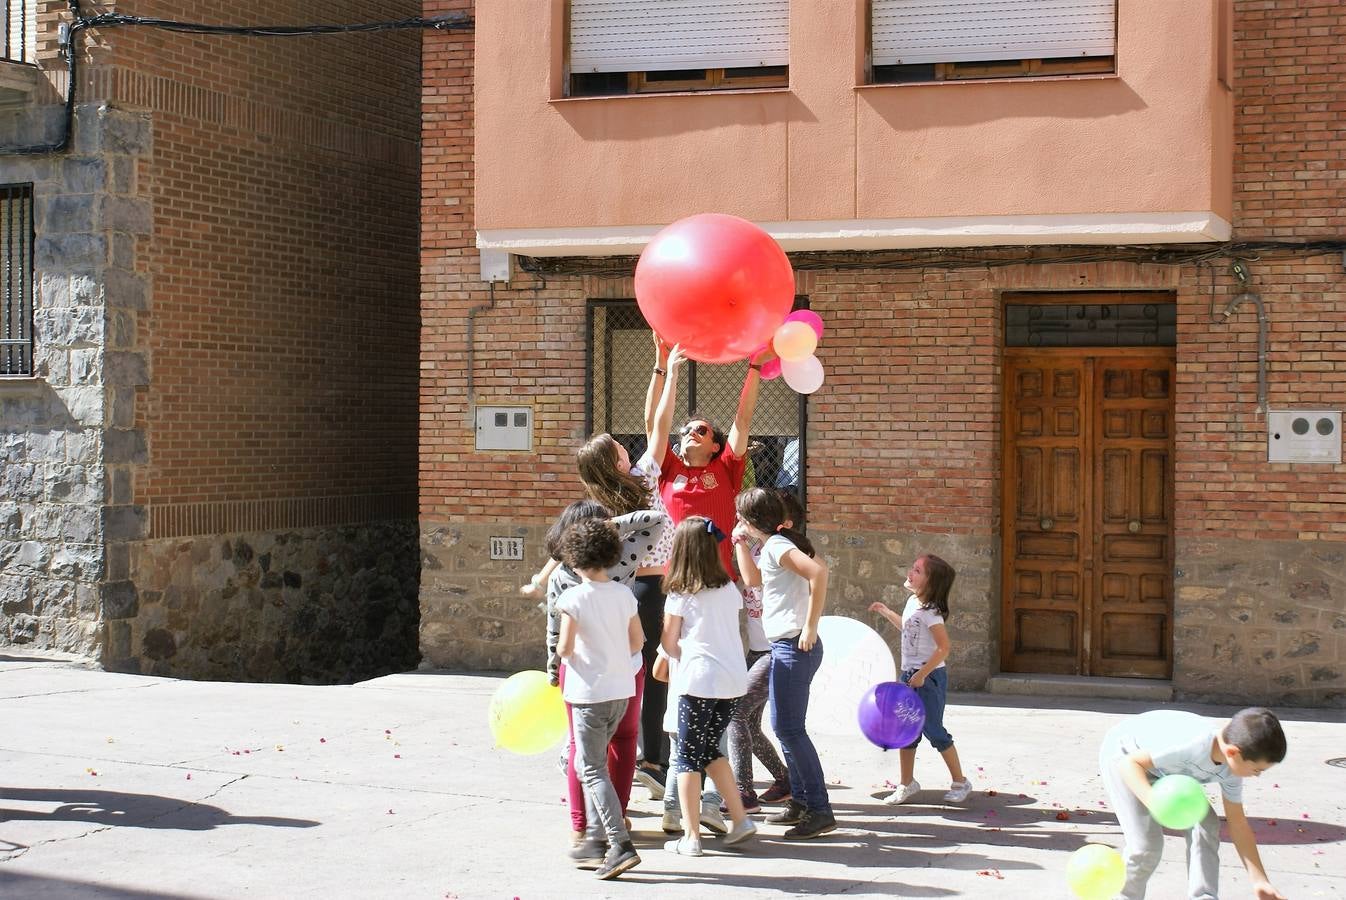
(1304, 436)
(504, 428)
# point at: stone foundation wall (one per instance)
(1261, 622)
(472, 616)
(59, 431)
(330, 605)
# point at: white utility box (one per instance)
(1304, 436)
(504, 428)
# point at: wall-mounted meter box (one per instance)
(504, 428)
(1304, 436)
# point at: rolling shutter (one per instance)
(907, 32)
(662, 35)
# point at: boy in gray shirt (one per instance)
(1145, 748)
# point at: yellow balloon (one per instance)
(794, 341)
(1095, 872)
(527, 714)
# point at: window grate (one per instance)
(20, 31)
(619, 353)
(16, 317)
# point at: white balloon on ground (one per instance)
(855, 658)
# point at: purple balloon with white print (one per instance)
(891, 715)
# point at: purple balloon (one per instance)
(891, 715)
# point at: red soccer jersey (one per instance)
(707, 490)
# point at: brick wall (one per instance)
(904, 437)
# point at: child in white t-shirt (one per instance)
(600, 631)
(925, 646)
(701, 632)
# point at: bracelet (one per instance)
(659, 371)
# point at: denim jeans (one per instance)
(594, 725)
(934, 694)
(792, 672)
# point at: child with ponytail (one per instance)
(794, 591)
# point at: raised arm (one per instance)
(657, 438)
(656, 388)
(747, 403)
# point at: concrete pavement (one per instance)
(119, 786)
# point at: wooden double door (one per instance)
(1087, 560)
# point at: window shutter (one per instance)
(661, 35)
(907, 32)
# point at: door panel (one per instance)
(1087, 517)
(1044, 515)
(1133, 565)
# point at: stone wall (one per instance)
(1261, 622)
(329, 605)
(472, 615)
(54, 443)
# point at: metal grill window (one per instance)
(619, 354)
(16, 242)
(1091, 325)
(20, 31)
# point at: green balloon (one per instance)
(1178, 802)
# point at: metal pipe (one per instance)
(472, 355)
(1228, 312)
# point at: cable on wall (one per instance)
(70, 35)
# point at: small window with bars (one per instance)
(619, 354)
(20, 32)
(16, 244)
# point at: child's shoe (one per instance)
(749, 801)
(958, 793)
(793, 814)
(741, 833)
(589, 854)
(814, 824)
(711, 818)
(652, 780)
(684, 847)
(903, 793)
(619, 859)
(779, 792)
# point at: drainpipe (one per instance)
(1226, 314)
(472, 355)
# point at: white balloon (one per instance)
(855, 658)
(804, 376)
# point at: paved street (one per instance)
(122, 786)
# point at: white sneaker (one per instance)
(672, 823)
(958, 792)
(712, 818)
(741, 833)
(903, 793)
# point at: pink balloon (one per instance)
(771, 369)
(808, 317)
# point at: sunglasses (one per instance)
(698, 430)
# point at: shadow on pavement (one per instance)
(15, 884)
(129, 810)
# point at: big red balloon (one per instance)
(716, 284)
